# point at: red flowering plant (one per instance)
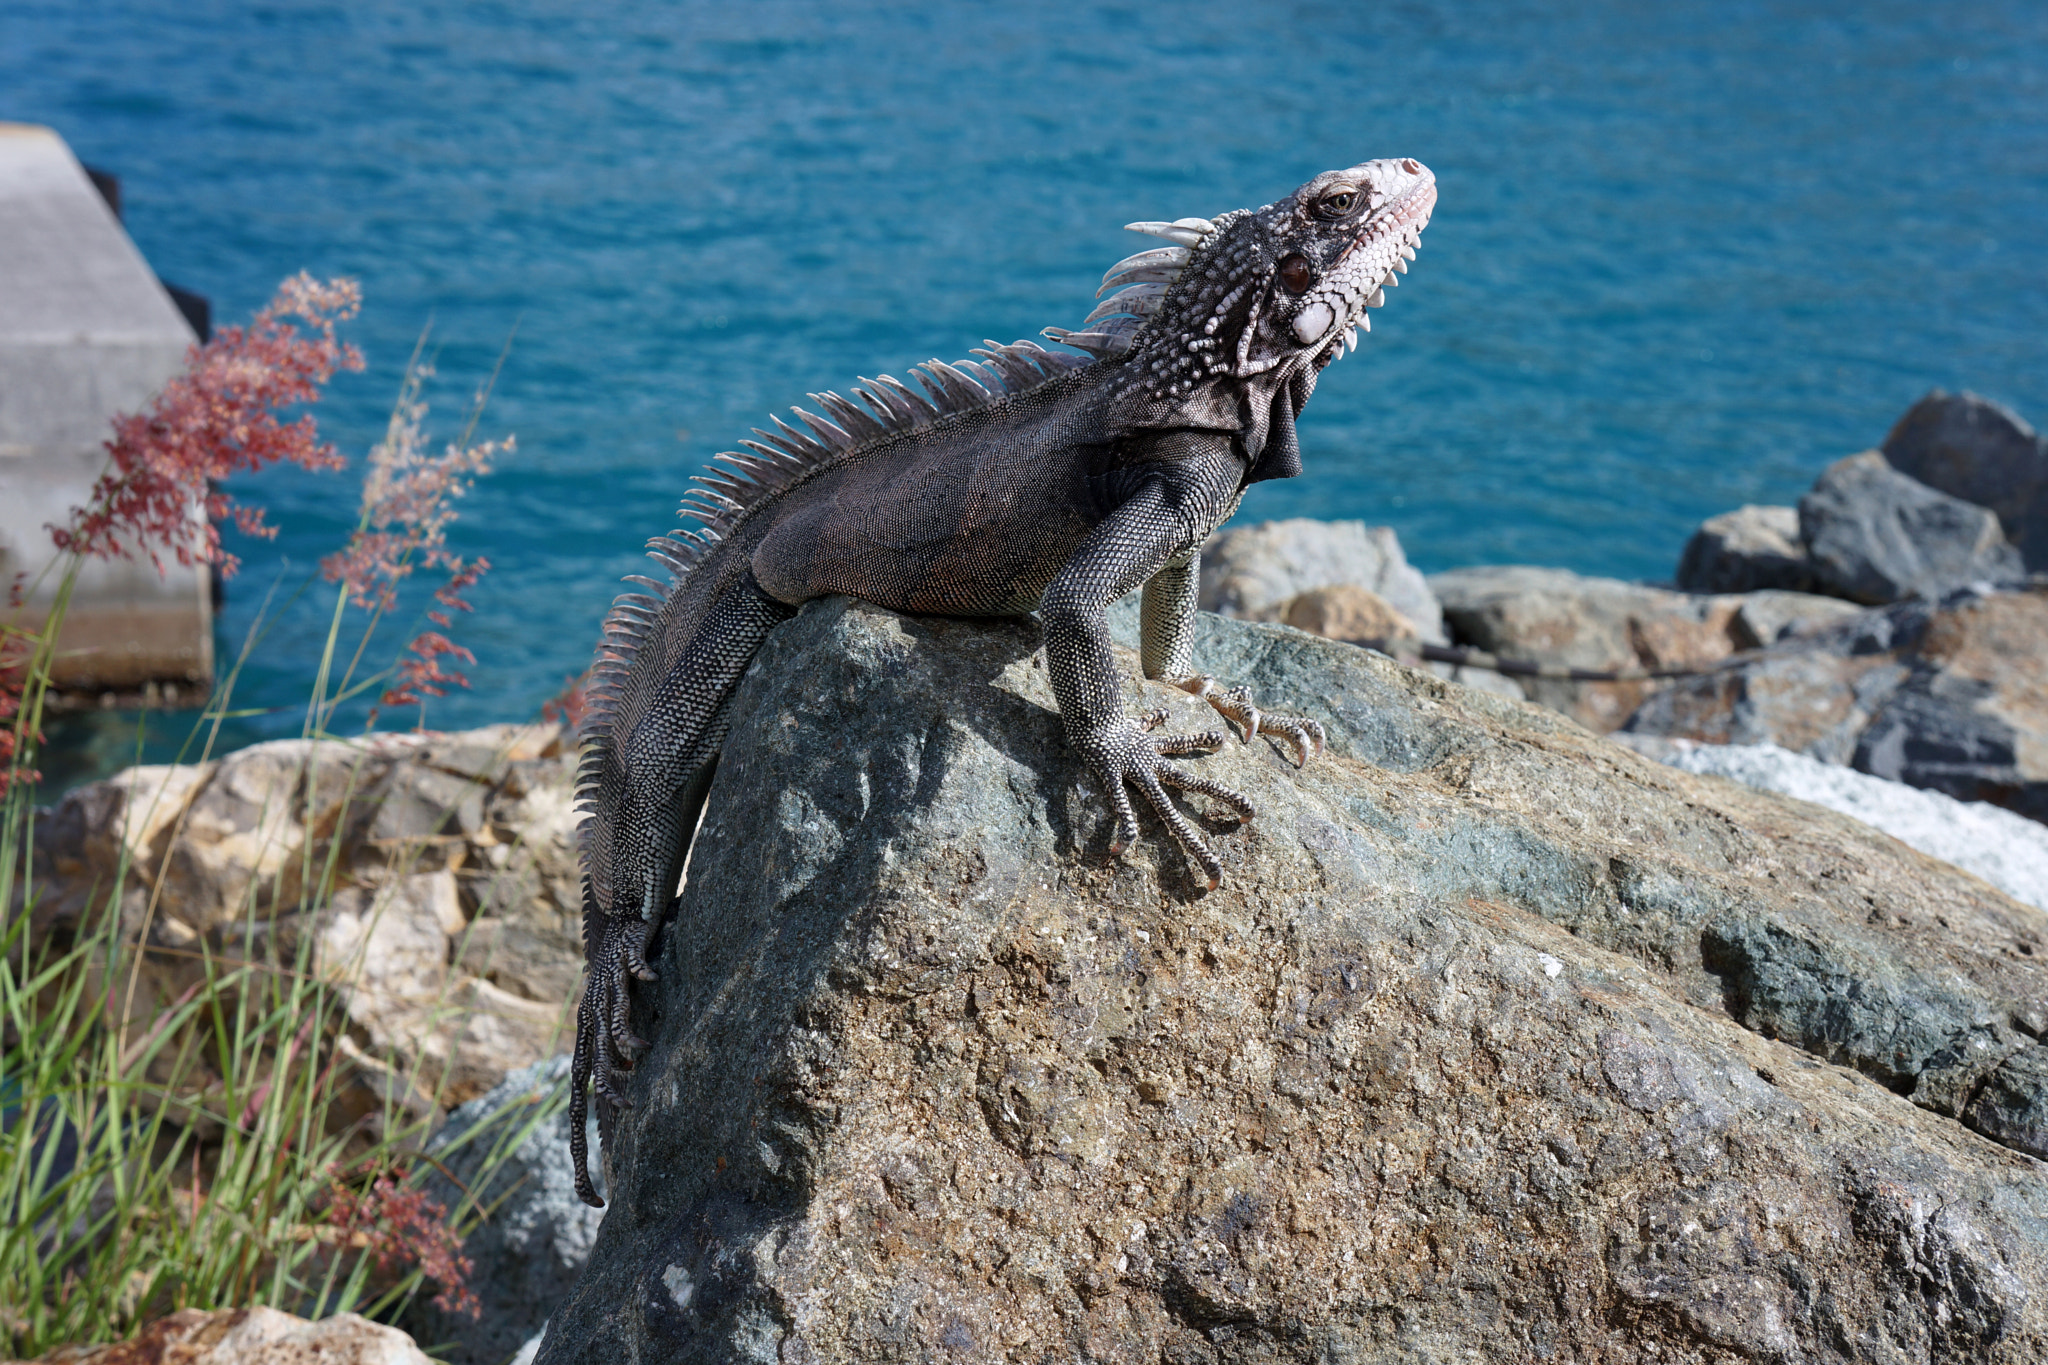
(16, 652)
(146, 1219)
(404, 1228)
(571, 705)
(161, 489)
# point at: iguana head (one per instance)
(1245, 303)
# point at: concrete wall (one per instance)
(86, 333)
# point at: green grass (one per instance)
(208, 1144)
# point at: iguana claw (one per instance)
(1129, 752)
(605, 1041)
(1235, 705)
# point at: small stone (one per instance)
(1942, 695)
(1746, 550)
(1553, 616)
(1253, 571)
(1348, 612)
(254, 1336)
(1768, 616)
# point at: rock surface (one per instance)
(2007, 850)
(453, 913)
(1253, 571)
(1745, 550)
(252, 1336)
(1554, 616)
(1949, 696)
(1976, 450)
(1874, 535)
(1499, 1042)
(530, 1249)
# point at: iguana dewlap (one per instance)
(1034, 479)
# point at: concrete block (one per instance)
(86, 333)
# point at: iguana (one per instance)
(1033, 478)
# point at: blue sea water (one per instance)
(1684, 256)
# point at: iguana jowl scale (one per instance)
(1033, 479)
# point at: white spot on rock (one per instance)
(681, 1287)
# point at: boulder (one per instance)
(1553, 616)
(1745, 550)
(1874, 535)
(450, 911)
(1498, 1042)
(1949, 696)
(1355, 615)
(2007, 850)
(252, 1336)
(530, 1249)
(1766, 617)
(1348, 612)
(1974, 449)
(1254, 571)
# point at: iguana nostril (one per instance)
(1411, 165)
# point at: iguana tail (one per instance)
(654, 776)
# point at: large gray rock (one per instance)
(2007, 850)
(1946, 695)
(1874, 535)
(1553, 616)
(1745, 550)
(532, 1245)
(1253, 571)
(1499, 1042)
(1974, 449)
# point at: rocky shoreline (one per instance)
(1886, 624)
(1500, 1040)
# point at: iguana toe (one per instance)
(1235, 704)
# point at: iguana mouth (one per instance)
(1401, 221)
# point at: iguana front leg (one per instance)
(1166, 649)
(1172, 511)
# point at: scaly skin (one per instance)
(1035, 480)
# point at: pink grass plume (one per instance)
(408, 502)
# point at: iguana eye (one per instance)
(1337, 203)
(1296, 273)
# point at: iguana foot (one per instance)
(1128, 751)
(605, 1042)
(1235, 705)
